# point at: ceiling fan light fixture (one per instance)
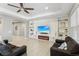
(22, 8)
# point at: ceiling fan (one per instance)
(22, 7)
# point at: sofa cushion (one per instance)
(19, 51)
(5, 50)
(72, 45)
(75, 49)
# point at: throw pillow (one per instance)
(63, 46)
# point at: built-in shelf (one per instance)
(63, 27)
(31, 29)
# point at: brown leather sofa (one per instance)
(72, 48)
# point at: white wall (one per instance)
(27, 29)
(6, 28)
(22, 29)
(51, 22)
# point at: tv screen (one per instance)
(43, 29)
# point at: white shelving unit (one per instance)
(31, 29)
(63, 28)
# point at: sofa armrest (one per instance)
(60, 41)
(19, 51)
(58, 52)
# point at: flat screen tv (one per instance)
(43, 29)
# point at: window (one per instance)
(73, 19)
(74, 33)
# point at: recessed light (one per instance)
(46, 8)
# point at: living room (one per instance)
(34, 29)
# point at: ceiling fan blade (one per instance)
(19, 10)
(21, 4)
(29, 8)
(26, 11)
(13, 6)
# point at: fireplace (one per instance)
(43, 37)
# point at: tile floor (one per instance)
(35, 47)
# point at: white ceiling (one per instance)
(54, 9)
